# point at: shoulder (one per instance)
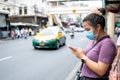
(108, 44)
(109, 48)
(108, 41)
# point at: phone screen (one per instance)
(72, 48)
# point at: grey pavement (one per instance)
(8, 39)
(72, 74)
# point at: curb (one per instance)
(72, 74)
(6, 39)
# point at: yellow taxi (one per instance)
(50, 37)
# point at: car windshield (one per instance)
(47, 31)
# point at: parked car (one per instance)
(79, 29)
(67, 30)
(51, 37)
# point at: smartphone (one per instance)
(72, 48)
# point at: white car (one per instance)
(67, 30)
(79, 29)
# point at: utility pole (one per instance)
(35, 11)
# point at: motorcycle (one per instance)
(72, 35)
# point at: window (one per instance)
(8, 9)
(20, 10)
(2, 20)
(3, 8)
(42, 1)
(5, 0)
(25, 10)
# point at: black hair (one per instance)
(93, 19)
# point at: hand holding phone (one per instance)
(72, 48)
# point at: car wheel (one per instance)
(57, 45)
(35, 48)
(64, 43)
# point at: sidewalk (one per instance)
(6, 39)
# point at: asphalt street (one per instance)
(20, 61)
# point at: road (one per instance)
(20, 61)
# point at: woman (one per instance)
(115, 71)
(100, 52)
(13, 34)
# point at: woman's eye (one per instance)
(87, 29)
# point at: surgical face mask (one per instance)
(90, 35)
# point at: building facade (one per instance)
(22, 9)
(4, 24)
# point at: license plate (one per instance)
(42, 44)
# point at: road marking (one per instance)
(6, 58)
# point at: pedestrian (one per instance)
(72, 33)
(13, 34)
(18, 33)
(115, 71)
(117, 30)
(30, 32)
(100, 52)
(22, 32)
(25, 34)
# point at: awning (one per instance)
(24, 24)
(113, 6)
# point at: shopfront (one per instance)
(4, 25)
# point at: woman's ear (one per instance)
(98, 27)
